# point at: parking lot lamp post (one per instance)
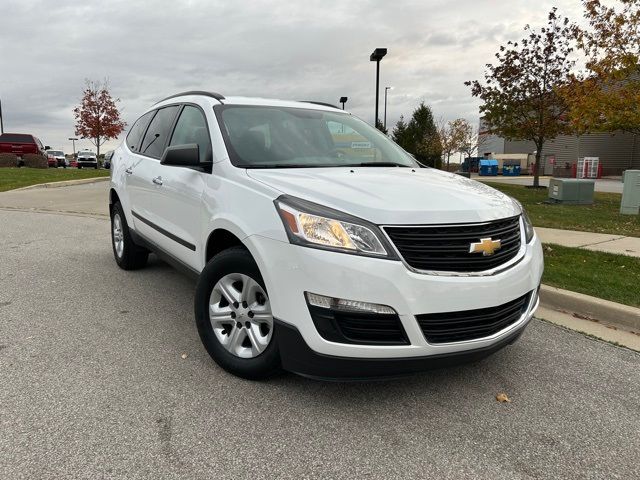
(74, 146)
(376, 56)
(1, 122)
(343, 100)
(386, 89)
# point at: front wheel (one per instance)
(234, 318)
(128, 255)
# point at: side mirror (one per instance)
(47, 147)
(187, 155)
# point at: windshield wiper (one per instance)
(284, 165)
(378, 164)
(321, 165)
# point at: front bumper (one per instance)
(298, 358)
(290, 270)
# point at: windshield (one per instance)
(283, 137)
(55, 152)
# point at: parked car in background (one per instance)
(107, 159)
(21, 144)
(56, 158)
(86, 158)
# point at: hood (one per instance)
(393, 196)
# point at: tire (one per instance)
(250, 351)
(79, 167)
(128, 255)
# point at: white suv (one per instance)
(320, 246)
(86, 158)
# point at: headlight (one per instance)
(313, 225)
(529, 232)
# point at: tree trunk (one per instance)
(97, 148)
(536, 168)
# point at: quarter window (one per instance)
(192, 128)
(134, 138)
(158, 132)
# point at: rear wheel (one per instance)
(234, 318)
(128, 255)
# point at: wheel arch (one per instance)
(113, 198)
(225, 234)
(220, 239)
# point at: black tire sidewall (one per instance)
(133, 256)
(233, 260)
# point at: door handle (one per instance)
(157, 180)
(128, 171)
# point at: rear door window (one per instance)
(192, 128)
(134, 138)
(158, 132)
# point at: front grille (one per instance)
(446, 247)
(471, 324)
(358, 328)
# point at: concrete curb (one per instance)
(591, 308)
(64, 183)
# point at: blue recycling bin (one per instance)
(511, 170)
(489, 167)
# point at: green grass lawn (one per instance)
(11, 178)
(599, 274)
(602, 217)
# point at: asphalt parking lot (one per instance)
(94, 386)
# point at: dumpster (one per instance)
(511, 170)
(489, 167)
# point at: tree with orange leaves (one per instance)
(97, 116)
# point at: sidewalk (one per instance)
(601, 242)
(608, 184)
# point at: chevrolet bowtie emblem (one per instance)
(486, 245)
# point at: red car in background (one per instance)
(56, 158)
(21, 144)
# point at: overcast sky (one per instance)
(304, 49)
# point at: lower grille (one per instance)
(471, 324)
(358, 328)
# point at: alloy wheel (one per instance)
(118, 236)
(240, 314)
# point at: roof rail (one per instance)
(215, 95)
(324, 104)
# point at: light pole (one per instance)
(386, 89)
(74, 146)
(343, 100)
(1, 123)
(376, 56)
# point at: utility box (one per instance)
(631, 193)
(571, 191)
